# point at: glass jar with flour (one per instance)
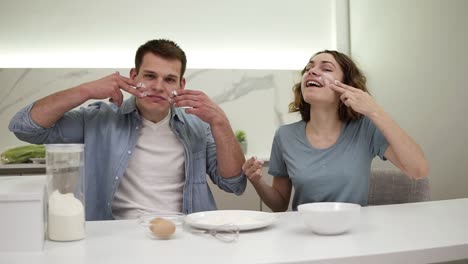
(65, 189)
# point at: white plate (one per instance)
(244, 219)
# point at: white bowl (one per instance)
(329, 218)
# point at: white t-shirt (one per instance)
(155, 176)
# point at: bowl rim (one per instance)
(177, 217)
(315, 207)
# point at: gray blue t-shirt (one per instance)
(339, 173)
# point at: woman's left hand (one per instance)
(357, 99)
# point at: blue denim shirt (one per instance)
(110, 134)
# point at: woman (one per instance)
(327, 155)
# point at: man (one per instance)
(147, 153)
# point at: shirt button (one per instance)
(116, 177)
(129, 152)
(137, 128)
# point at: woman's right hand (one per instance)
(110, 87)
(253, 169)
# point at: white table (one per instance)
(408, 233)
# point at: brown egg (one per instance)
(162, 228)
(156, 220)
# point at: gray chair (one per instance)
(394, 187)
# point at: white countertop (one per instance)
(22, 188)
(407, 233)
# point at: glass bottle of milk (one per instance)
(65, 189)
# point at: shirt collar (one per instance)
(128, 106)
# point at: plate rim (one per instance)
(270, 218)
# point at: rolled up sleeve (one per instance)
(235, 184)
(69, 129)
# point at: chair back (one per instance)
(394, 187)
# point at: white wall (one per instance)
(416, 59)
(241, 34)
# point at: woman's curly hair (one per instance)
(352, 76)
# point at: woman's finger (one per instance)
(256, 175)
(250, 171)
(256, 165)
(345, 99)
(345, 86)
(338, 89)
(248, 163)
(347, 102)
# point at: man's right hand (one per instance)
(110, 87)
(50, 109)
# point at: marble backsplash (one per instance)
(255, 101)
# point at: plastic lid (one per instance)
(64, 147)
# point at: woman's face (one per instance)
(320, 72)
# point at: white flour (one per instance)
(66, 217)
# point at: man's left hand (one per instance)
(200, 104)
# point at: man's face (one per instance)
(160, 77)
